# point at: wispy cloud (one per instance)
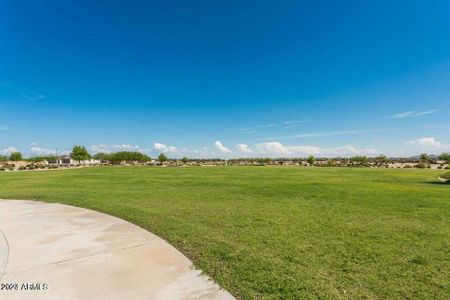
(4, 128)
(33, 97)
(411, 114)
(17, 92)
(248, 131)
(254, 129)
(285, 125)
(265, 125)
(291, 124)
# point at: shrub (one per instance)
(421, 165)
(359, 160)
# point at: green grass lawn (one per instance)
(278, 232)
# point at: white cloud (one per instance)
(219, 146)
(164, 148)
(243, 148)
(4, 128)
(348, 150)
(272, 148)
(276, 148)
(115, 148)
(411, 114)
(42, 151)
(8, 150)
(304, 150)
(428, 144)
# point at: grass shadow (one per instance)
(437, 182)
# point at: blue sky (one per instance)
(226, 78)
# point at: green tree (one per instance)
(15, 156)
(122, 156)
(185, 160)
(311, 160)
(3, 157)
(445, 157)
(381, 159)
(359, 160)
(424, 157)
(102, 156)
(162, 158)
(80, 153)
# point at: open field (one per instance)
(278, 232)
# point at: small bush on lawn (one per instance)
(422, 165)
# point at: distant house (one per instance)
(67, 160)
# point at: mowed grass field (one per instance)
(278, 232)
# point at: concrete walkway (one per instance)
(55, 251)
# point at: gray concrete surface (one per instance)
(64, 252)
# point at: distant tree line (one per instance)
(80, 153)
(14, 156)
(122, 156)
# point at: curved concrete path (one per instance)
(75, 253)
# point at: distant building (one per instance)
(67, 160)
